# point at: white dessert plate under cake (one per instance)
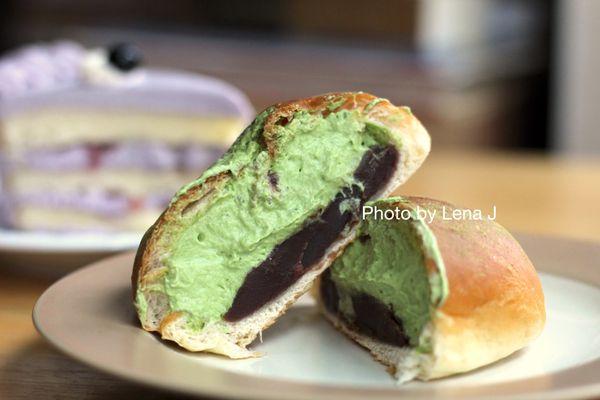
(88, 315)
(60, 252)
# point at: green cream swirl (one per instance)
(316, 157)
(388, 263)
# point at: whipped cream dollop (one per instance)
(58, 65)
(97, 70)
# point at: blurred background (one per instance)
(478, 73)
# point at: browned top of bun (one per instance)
(325, 104)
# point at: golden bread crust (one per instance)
(495, 304)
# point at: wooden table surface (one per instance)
(531, 193)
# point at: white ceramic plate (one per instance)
(89, 316)
(61, 252)
(68, 242)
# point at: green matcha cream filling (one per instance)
(316, 157)
(387, 262)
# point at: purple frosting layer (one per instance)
(107, 204)
(134, 155)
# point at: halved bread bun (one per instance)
(174, 294)
(485, 299)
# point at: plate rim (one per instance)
(67, 242)
(279, 388)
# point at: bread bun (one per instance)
(493, 306)
(230, 337)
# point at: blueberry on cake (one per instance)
(93, 141)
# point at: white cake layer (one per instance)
(133, 183)
(57, 127)
(40, 218)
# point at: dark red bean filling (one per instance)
(300, 252)
(371, 317)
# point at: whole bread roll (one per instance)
(431, 290)
(240, 244)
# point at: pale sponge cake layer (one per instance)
(55, 127)
(485, 303)
(57, 220)
(135, 183)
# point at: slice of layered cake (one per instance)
(92, 141)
